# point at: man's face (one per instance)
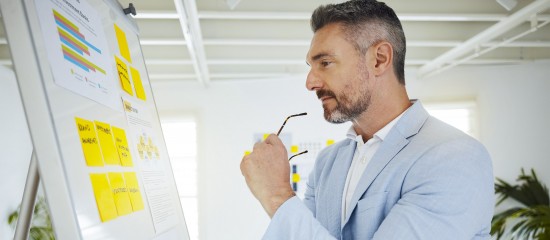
(338, 75)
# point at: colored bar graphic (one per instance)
(68, 26)
(74, 45)
(72, 42)
(60, 20)
(80, 61)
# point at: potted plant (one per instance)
(531, 220)
(41, 226)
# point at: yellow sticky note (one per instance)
(103, 197)
(295, 177)
(120, 193)
(133, 190)
(246, 153)
(141, 147)
(123, 76)
(294, 149)
(89, 142)
(122, 44)
(150, 147)
(330, 142)
(108, 149)
(138, 85)
(265, 136)
(122, 146)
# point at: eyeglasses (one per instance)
(281, 129)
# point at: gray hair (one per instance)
(366, 22)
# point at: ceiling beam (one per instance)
(189, 21)
(522, 15)
(156, 15)
(183, 62)
(177, 62)
(287, 42)
(155, 77)
(302, 62)
(422, 17)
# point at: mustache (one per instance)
(325, 93)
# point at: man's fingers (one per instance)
(257, 145)
(246, 164)
(273, 139)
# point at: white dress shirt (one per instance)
(363, 154)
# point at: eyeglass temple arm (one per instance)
(295, 115)
(297, 155)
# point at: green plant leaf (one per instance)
(531, 221)
(41, 226)
(530, 191)
(12, 218)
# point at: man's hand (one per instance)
(266, 171)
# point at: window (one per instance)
(461, 115)
(181, 140)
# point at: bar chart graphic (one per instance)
(77, 48)
(74, 44)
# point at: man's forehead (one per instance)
(322, 43)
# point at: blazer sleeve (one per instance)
(294, 220)
(447, 193)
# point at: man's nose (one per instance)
(313, 81)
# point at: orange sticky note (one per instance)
(122, 146)
(123, 76)
(138, 85)
(108, 149)
(122, 44)
(120, 194)
(103, 197)
(89, 142)
(133, 190)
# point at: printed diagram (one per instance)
(77, 50)
(146, 148)
(75, 46)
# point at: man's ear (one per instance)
(383, 53)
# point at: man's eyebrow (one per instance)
(317, 57)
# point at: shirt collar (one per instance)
(380, 134)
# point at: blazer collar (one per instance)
(409, 125)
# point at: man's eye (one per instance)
(325, 63)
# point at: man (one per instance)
(400, 174)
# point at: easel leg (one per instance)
(27, 204)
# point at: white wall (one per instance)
(16, 150)
(512, 112)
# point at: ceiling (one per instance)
(222, 40)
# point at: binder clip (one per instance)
(131, 9)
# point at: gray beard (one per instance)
(346, 110)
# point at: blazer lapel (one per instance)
(381, 158)
(409, 124)
(335, 186)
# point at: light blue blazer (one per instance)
(427, 180)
